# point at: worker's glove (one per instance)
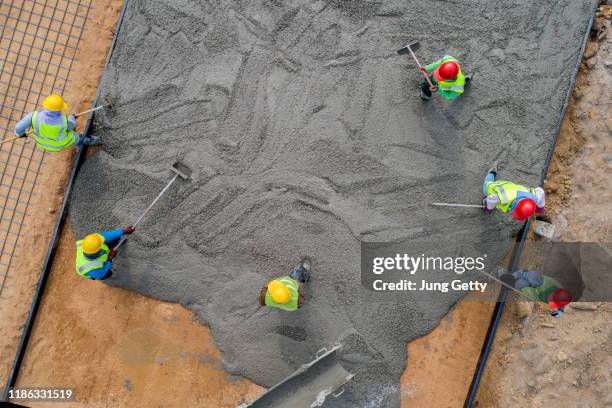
(484, 206)
(129, 229)
(18, 135)
(73, 117)
(540, 210)
(113, 253)
(557, 313)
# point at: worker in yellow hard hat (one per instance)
(287, 292)
(94, 256)
(52, 129)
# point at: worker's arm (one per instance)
(491, 201)
(101, 272)
(72, 122)
(23, 125)
(527, 279)
(432, 67)
(540, 201)
(111, 238)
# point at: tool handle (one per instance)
(76, 115)
(457, 205)
(10, 139)
(432, 87)
(124, 237)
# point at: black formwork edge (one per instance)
(44, 274)
(520, 242)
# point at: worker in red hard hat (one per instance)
(520, 201)
(538, 287)
(447, 78)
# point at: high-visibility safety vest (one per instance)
(542, 292)
(294, 288)
(507, 192)
(458, 85)
(53, 138)
(85, 265)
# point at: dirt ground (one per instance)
(114, 347)
(537, 360)
(117, 348)
(50, 185)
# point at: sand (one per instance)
(307, 136)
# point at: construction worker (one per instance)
(539, 287)
(53, 130)
(506, 196)
(445, 74)
(94, 256)
(287, 292)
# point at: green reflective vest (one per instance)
(53, 138)
(457, 85)
(84, 265)
(506, 191)
(294, 287)
(542, 292)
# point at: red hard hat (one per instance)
(448, 71)
(524, 209)
(560, 298)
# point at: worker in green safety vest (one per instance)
(94, 254)
(520, 201)
(538, 287)
(53, 131)
(287, 292)
(447, 78)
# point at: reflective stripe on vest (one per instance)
(455, 86)
(53, 138)
(85, 265)
(506, 191)
(294, 288)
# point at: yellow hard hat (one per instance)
(55, 103)
(92, 243)
(279, 291)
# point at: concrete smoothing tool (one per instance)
(181, 171)
(409, 49)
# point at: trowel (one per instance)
(179, 170)
(409, 49)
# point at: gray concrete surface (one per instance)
(306, 136)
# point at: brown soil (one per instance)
(114, 347)
(121, 349)
(538, 360)
(441, 364)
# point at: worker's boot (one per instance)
(301, 272)
(424, 96)
(92, 140)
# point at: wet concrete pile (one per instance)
(306, 136)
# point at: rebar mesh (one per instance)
(38, 44)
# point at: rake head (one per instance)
(183, 171)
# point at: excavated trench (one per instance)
(306, 136)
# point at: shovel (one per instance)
(409, 49)
(180, 170)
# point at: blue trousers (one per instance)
(299, 273)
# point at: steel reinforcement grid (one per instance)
(38, 44)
